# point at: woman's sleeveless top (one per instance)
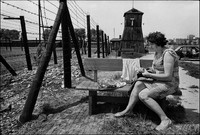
(158, 64)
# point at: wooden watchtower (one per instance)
(132, 39)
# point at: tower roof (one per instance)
(133, 11)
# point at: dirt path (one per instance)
(190, 95)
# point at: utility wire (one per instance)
(78, 15)
(52, 4)
(24, 10)
(17, 15)
(75, 9)
(83, 12)
(42, 7)
(72, 10)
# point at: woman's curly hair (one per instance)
(157, 38)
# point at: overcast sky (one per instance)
(176, 19)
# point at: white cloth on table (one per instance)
(129, 70)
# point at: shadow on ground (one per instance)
(194, 116)
(47, 109)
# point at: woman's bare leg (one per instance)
(139, 86)
(146, 96)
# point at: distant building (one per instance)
(180, 41)
(115, 43)
(195, 41)
(170, 42)
(190, 37)
(190, 40)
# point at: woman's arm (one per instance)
(168, 69)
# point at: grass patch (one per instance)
(140, 124)
(129, 125)
(193, 69)
(144, 121)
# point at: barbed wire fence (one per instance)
(49, 8)
(29, 9)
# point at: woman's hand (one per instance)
(141, 70)
(146, 74)
(150, 70)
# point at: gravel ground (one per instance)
(69, 109)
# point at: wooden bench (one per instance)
(105, 64)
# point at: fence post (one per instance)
(102, 35)
(21, 44)
(81, 43)
(37, 81)
(106, 47)
(26, 48)
(109, 47)
(98, 47)
(84, 46)
(89, 35)
(71, 28)
(10, 45)
(66, 42)
(39, 19)
(55, 55)
(7, 44)
(3, 61)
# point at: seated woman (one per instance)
(166, 79)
